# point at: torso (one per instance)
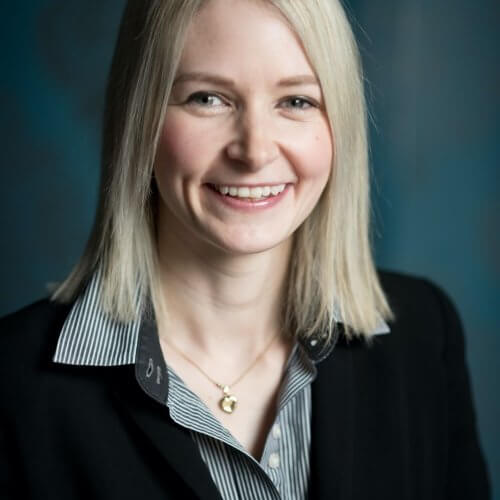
(257, 394)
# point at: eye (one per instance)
(299, 103)
(205, 100)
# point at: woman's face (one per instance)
(245, 149)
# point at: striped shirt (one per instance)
(90, 337)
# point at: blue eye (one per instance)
(210, 100)
(301, 103)
(204, 99)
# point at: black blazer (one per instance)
(393, 421)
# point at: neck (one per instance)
(215, 299)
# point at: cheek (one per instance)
(323, 153)
(182, 148)
(314, 154)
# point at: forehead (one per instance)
(245, 37)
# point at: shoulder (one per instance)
(28, 338)
(31, 321)
(425, 318)
(403, 290)
(423, 355)
(414, 298)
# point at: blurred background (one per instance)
(433, 80)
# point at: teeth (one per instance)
(254, 193)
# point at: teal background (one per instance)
(433, 83)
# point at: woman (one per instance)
(226, 334)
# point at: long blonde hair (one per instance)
(331, 272)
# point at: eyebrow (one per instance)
(290, 81)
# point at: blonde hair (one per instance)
(331, 272)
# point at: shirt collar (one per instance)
(91, 337)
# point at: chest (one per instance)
(253, 400)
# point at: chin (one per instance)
(248, 246)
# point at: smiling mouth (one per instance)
(249, 193)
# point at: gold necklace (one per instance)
(229, 401)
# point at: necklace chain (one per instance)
(228, 401)
(240, 377)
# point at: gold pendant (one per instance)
(228, 402)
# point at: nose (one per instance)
(255, 145)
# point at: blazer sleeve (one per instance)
(467, 475)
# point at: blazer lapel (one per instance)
(332, 427)
(173, 443)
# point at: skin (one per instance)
(223, 270)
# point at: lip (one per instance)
(246, 205)
(262, 184)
